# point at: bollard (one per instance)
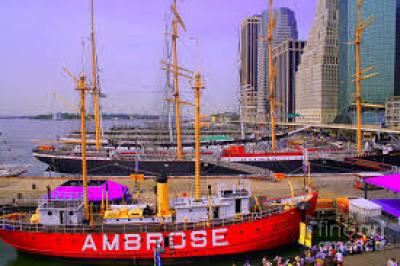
(48, 193)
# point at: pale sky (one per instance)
(40, 37)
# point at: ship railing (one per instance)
(64, 196)
(154, 157)
(18, 203)
(20, 222)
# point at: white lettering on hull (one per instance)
(199, 239)
(132, 241)
(153, 239)
(114, 245)
(173, 240)
(89, 243)
(218, 236)
(177, 240)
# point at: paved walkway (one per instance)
(378, 258)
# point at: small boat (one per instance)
(8, 170)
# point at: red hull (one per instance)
(263, 234)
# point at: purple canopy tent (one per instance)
(73, 190)
(389, 182)
(390, 206)
(392, 183)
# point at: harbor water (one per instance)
(20, 136)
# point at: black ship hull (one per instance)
(318, 166)
(392, 158)
(114, 167)
(126, 167)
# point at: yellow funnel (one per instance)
(163, 197)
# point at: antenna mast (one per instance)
(271, 28)
(96, 92)
(359, 75)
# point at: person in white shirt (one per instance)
(339, 258)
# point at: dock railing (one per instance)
(20, 222)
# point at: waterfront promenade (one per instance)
(374, 258)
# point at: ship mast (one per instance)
(175, 21)
(82, 88)
(168, 81)
(271, 28)
(96, 92)
(360, 74)
(198, 85)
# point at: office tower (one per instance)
(286, 28)
(379, 49)
(248, 68)
(392, 112)
(317, 80)
(286, 58)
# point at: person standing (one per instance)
(392, 262)
(339, 258)
(265, 262)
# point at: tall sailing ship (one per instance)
(128, 150)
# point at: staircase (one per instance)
(249, 169)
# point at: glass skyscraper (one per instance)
(379, 48)
(286, 28)
(248, 67)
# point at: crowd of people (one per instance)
(331, 254)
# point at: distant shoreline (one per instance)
(68, 116)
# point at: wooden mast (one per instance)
(96, 92)
(359, 75)
(198, 85)
(271, 28)
(175, 21)
(82, 89)
(81, 86)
